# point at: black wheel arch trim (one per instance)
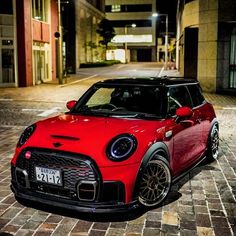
(158, 147)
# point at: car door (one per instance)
(201, 108)
(186, 135)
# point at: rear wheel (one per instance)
(155, 183)
(213, 144)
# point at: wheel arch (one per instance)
(157, 148)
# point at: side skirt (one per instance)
(185, 172)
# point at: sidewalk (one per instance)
(49, 91)
(77, 84)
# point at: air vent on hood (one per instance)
(65, 137)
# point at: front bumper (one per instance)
(45, 200)
(85, 188)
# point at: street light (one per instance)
(166, 37)
(126, 29)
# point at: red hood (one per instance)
(90, 135)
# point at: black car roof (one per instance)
(161, 81)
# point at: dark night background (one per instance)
(167, 7)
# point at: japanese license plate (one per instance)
(50, 176)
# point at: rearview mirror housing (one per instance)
(71, 104)
(184, 112)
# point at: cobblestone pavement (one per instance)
(202, 203)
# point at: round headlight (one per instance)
(121, 147)
(26, 135)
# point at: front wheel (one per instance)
(213, 144)
(155, 183)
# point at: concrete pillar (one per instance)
(207, 46)
(24, 42)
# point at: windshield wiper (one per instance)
(138, 115)
(85, 110)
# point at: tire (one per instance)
(155, 183)
(213, 144)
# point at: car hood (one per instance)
(90, 135)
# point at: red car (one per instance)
(121, 145)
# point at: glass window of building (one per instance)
(41, 62)
(40, 10)
(7, 69)
(7, 52)
(115, 8)
(6, 7)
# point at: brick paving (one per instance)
(202, 203)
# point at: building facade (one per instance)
(80, 20)
(27, 42)
(8, 56)
(141, 39)
(206, 43)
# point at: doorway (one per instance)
(40, 63)
(144, 55)
(190, 52)
(7, 64)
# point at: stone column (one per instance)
(207, 46)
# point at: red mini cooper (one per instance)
(121, 145)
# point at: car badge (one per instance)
(28, 155)
(57, 144)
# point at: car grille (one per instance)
(74, 167)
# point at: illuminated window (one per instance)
(41, 62)
(132, 38)
(115, 8)
(40, 10)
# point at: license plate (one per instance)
(50, 176)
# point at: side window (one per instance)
(178, 97)
(196, 95)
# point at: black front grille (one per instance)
(74, 168)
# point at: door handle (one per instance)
(199, 120)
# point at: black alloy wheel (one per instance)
(155, 183)
(213, 144)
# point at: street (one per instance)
(24, 106)
(202, 203)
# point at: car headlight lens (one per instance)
(26, 135)
(121, 147)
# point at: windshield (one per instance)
(129, 101)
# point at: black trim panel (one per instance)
(49, 200)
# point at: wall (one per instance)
(215, 20)
(87, 19)
(227, 20)
(207, 46)
(190, 18)
(41, 31)
(202, 14)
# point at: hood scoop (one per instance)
(65, 137)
